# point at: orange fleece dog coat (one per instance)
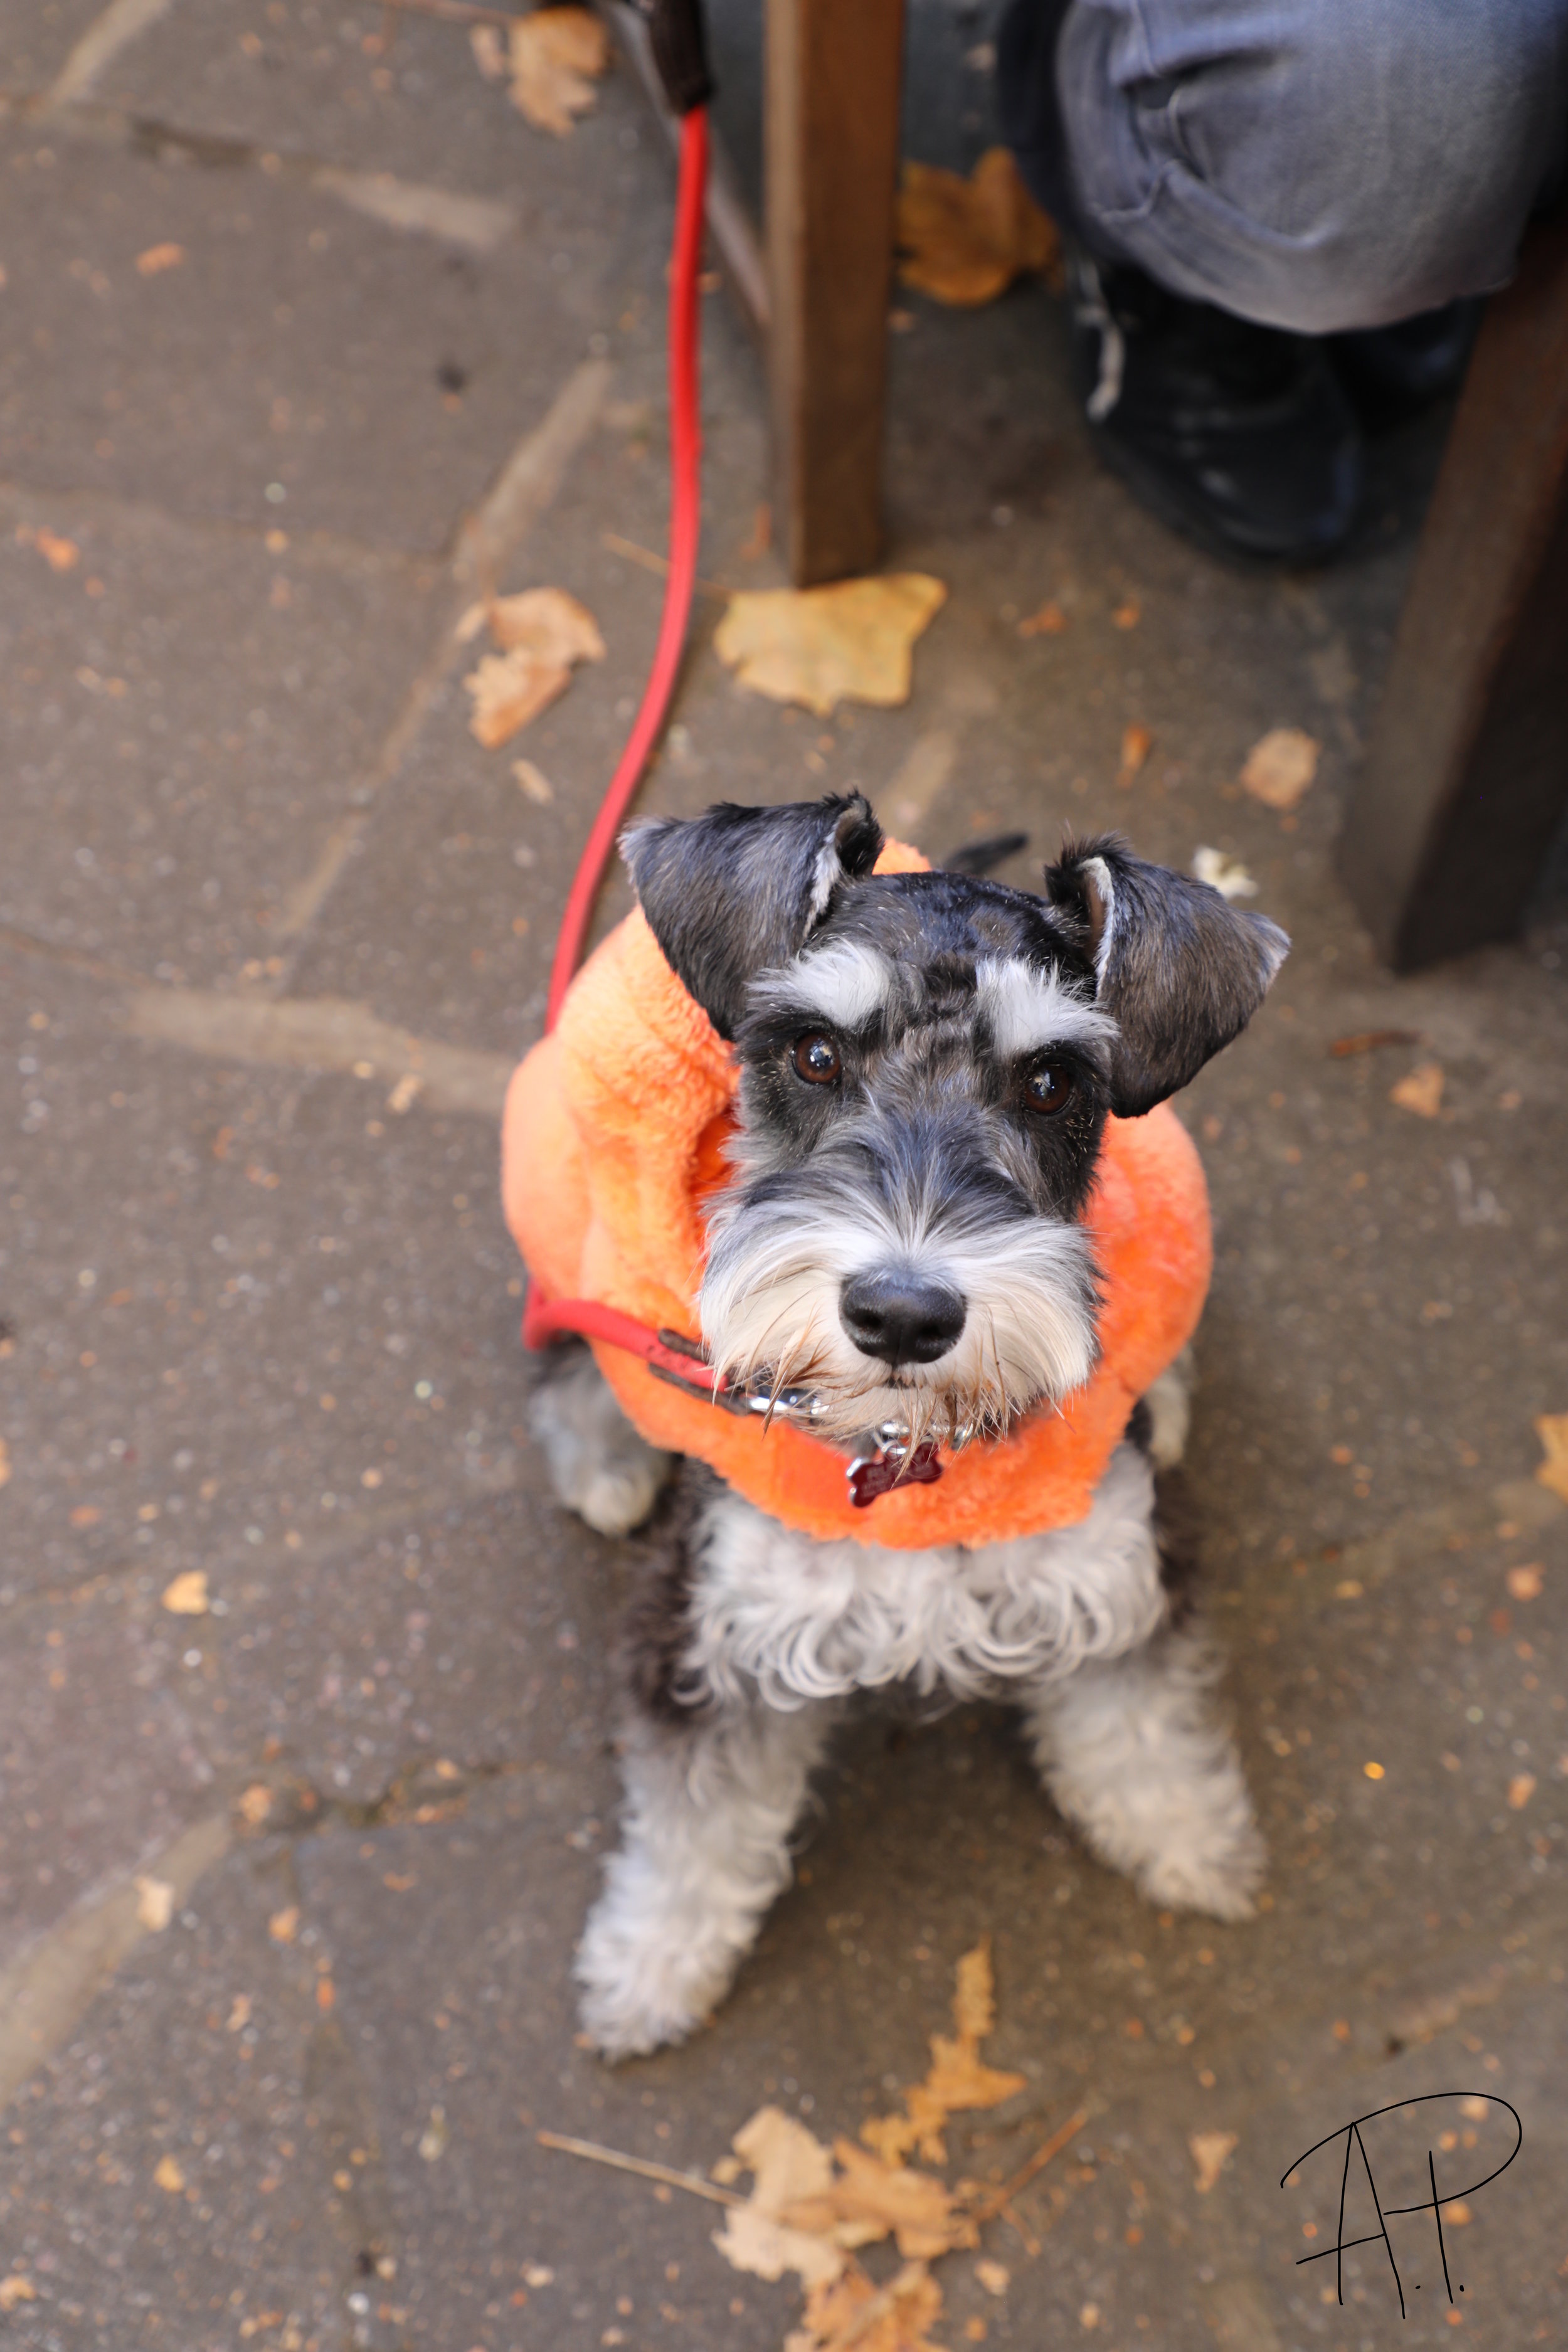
(612, 1138)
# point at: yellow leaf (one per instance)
(974, 1994)
(1280, 766)
(188, 1595)
(543, 634)
(1552, 1428)
(853, 2315)
(789, 2165)
(871, 2199)
(154, 1903)
(168, 2175)
(1210, 2150)
(159, 257)
(557, 54)
(1421, 1092)
(965, 241)
(957, 2077)
(820, 647)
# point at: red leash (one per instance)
(544, 1319)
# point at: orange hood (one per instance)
(614, 1137)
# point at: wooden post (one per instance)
(1467, 776)
(835, 70)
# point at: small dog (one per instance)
(901, 1265)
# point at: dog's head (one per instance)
(927, 1063)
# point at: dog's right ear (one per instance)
(732, 892)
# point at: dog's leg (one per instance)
(709, 1809)
(1130, 1751)
(599, 1466)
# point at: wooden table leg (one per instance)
(835, 71)
(1467, 776)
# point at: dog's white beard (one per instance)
(770, 1320)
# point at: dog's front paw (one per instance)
(647, 1979)
(599, 1465)
(1215, 1866)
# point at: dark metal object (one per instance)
(1467, 778)
(679, 51)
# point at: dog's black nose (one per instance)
(899, 1317)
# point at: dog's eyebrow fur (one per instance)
(846, 984)
(1028, 1008)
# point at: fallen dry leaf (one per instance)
(1421, 1092)
(1367, 1041)
(1136, 744)
(168, 2175)
(1520, 1789)
(284, 1926)
(543, 632)
(1210, 2150)
(159, 257)
(538, 787)
(15, 2290)
(154, 1903)
(820, 647)
(256, 1803)
(1552, 1428)
(789, 2164)
(1222, 872)
(871, 2199)
(965, 241)
(995, 2277)
(489, 51)
(1048, 622)
(1525, 1583)
(556, 55)
(60, 554)
(186, 1596)
(239, 2014)
(957, 2078)
(853, 2315)
(1280, 766)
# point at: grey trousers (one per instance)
(1314, 164)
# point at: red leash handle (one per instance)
(544, 1319)
(685, 527)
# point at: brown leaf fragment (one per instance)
(1209, 2151)
(254, 1803)
(60, 553)
(871, 2199)
(284, 1926)
(1525, 1583)
(15, 2290)
(957, 2077)
(557, 54)
(186, 1595)
(1136, 743)
(1421, 1092)
(159, 257)
(1048, 622)
(154, 1903)
(852, 2315)
(1280, 767)
(851, 641)
(965, 241)
(1552, 1428)
(543, 634)
(1367, 1041)
(168, 2175)
(1520, 1789)
(789, 2166)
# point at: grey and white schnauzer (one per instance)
(926, 1061)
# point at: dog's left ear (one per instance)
(732, 892)
(1181, 971)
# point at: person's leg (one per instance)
(1310, 164)
(1238, 177)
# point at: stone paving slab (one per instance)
(212, 2054)
(34, 42)
(254, 367)
(157, 819)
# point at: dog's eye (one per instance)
(816, 1058)
(1049, 1087)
